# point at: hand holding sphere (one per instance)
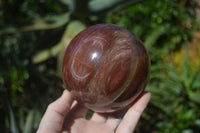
(105, 68)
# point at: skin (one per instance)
(66, 116)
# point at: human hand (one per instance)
(62, 116)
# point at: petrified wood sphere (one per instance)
(105, 67)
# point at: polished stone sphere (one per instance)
(105, 67)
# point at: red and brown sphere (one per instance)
(105, 67)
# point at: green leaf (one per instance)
(89, 114)
(197, 122)
(99, 5)
(46, 54)
(187, 131)
(49, 22)
(196, 83)
(37, 119)
(194, 96)
(71, 31)
(158, 98)
(114, 5)
(187, 77)
(65, 2)
(152, 38)
(13, 126)
(29, 122)
(172, 74)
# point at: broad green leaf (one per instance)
(99, 5)
(71, 31)
(112, 5)
(65, 2)
(46, 54)
(49, 22)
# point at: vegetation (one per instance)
(34, 35)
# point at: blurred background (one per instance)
(35, 33)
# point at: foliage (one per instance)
(34, 35)
(166, 28)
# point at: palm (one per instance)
(61, 117)
(98, 123)
(103, 123)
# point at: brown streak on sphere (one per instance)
(105, 67)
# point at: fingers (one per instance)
(87, 126)
(131, 118)
(112, 122)
(98, 118)
(53, 118)
(78, 111)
